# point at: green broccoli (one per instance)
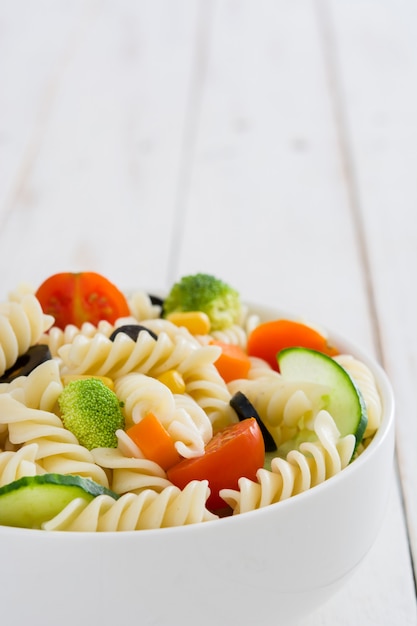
(204, 292)
(92, 412)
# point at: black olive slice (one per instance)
(132, 331)
(27, 362)
(156, 300)
(244, 409)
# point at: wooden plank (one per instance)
(35, 44)
(271, 197)
(377, 56)
(372, 595)
(165, 138)
(268, 189)
(101, 191)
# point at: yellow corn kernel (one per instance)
(67, 378)
(196, 322)
(173, 380)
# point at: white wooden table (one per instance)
(273, 143)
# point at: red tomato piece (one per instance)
(237, 450)
(74, 298)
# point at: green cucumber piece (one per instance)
(32, 500)
(344, 400)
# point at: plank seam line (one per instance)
(47, 101)
(332, 65)
(192, 114)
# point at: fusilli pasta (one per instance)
(186, 422)
(15, 465)
(128, 473)
(171, 507)
(310, 465)
(284, 406)
(205, 385)
(101, 356)
(22, 324)
(141, 306)
(40, 389)
(56, 337)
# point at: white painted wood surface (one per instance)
(273, 143)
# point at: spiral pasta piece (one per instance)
(161, 325)
(248, 319)
(190, 427)
(22, 324)
(142, 394)
(185, 421)
(205, 385)
(141, 306)
(16, 464)
(130, 473)
(366, 382)
(39, 389)
(261, 369)
(57, 337)
(20, 291)
(310, 465)
(57, 448)
(102, 357)
(284, 406)
(171, 507)
(235, 335)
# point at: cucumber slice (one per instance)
(344, 401)
(32, 500)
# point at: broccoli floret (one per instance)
(204, 292)
(92, 412)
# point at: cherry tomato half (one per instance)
(74, 298)
(237, 450)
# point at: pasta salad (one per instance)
(135, 412)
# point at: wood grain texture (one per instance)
(376, 58)
(103, 174)
(271, 143)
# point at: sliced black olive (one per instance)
(27, 362)
(156, 300)
(132, 331)
(159, 302)
(244, 409)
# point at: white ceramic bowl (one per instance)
(270, 566)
